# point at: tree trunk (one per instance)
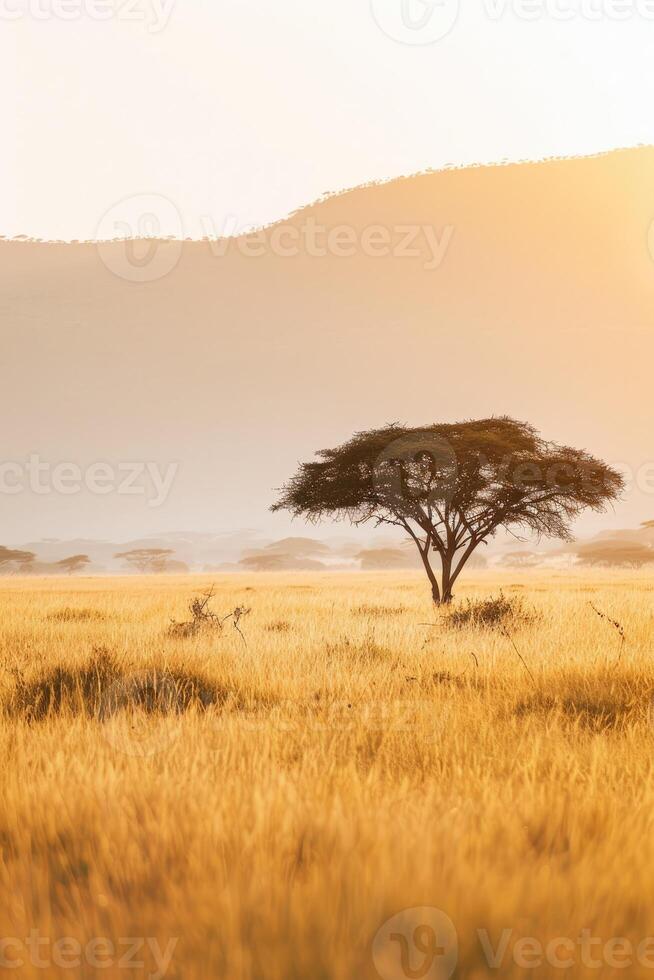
(446, 583)
(441, 594)
(435, 591)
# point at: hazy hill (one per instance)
(238, 365)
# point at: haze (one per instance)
(532, 295)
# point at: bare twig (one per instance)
(506, 633)
(202, 617)
(236, 616)
(618, 627)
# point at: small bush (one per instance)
(70, 615)
(163, 691)
(102, 686)
(78, 689)
(280, 626)
(366, 610)
(492, 613)
(203, 618)
(594, 714)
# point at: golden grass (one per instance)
(355, 764)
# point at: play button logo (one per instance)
(415, 21)
(416, 944)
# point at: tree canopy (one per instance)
(616, 552)
(74, 563)
(146, 560)
(452, 486)
(16, 558)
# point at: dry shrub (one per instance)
(204, 618)
(591, 715)
(595, 702)
(71, 615)
(446, 677)
(280, 626)
(104, 685)
(62, 687)
(496, 612)
(346, 650)
(366, 610)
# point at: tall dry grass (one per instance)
(270, 806)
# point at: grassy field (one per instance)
(297, 790)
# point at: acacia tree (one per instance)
(14, 557)
(74, 563)
(146, 560)
(451, 487)
(616, 552)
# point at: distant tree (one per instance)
(279, 562)
(147, 560)
(615, 552)
(298, 547)
(521, 559)
(477, 562)
(74, 563)
(176, 568)
(373, 559)
(15, 560)
(451, 487)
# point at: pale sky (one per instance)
(239, 111)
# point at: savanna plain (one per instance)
(256, 800)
